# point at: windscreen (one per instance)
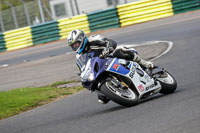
(82, 61)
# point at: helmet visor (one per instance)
(75, 45)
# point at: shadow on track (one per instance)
(157, 97)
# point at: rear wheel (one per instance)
(119, 93)
(168, 83)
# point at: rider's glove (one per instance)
(104, 53)
(107, 50)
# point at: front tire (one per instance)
(115, 91)
(168, 83)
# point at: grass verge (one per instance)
(19, 100)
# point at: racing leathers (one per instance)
(102, 47)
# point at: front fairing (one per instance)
(91, 67)
(99, 65)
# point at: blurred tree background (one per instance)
(4, 6)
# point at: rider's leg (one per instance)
(144, 63)
(135, 57)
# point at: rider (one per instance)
(102, 47)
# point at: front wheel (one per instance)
(119, 93)
(168, 83)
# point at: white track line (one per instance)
(170, 45)
(4, 65)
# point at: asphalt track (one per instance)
(175, 113)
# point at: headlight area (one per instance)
(87, 75)
(91, 77)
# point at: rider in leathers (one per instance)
(102, 47)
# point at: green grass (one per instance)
(19, 100)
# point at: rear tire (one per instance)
(168, 84)
(123, 96)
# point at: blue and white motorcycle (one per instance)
(122, 81)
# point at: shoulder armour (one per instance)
(95, 37)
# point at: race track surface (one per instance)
(174, 113)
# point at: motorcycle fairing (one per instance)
(116, 67)
(143, 83)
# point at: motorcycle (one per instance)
(123, 81)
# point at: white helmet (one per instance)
(77, 40)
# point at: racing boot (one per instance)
(103, 99)
(144, 63)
